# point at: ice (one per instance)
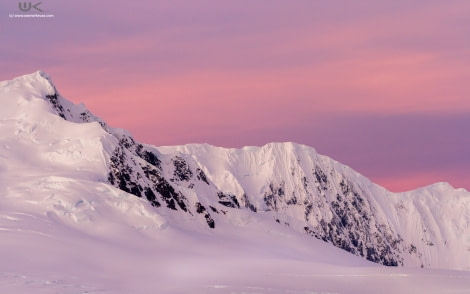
(65, 229)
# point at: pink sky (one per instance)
(381, 86)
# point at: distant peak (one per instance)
(442, 186)
(439, 186)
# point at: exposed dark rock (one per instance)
(247, 203)
(292, 201)
(228, 200)
(161, 185)
(305, 182)
(182, 171)
(201, 209)
(85, 116)
(350, 229)
(120, 173)
(308, 210)
(126, 142)
(54, 100)
(201, 176)
(272, 196)
(151, 197)
(320, 178)
(148, 156)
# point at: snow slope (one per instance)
(206, 219)
(312, 193)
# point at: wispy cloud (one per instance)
(243, 72)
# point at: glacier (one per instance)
(83, 198)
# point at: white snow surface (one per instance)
(65, 229)
(435, 219)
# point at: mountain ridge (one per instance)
(291, 183)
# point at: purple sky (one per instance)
(382, 86)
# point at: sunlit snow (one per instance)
(65, 229)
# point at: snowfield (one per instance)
(273, 219)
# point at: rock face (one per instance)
(289, 183)
(303, 190)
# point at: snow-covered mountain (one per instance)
(60, 159)
(316, 195)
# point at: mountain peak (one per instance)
(38, 81)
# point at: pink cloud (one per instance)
(259, 71)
